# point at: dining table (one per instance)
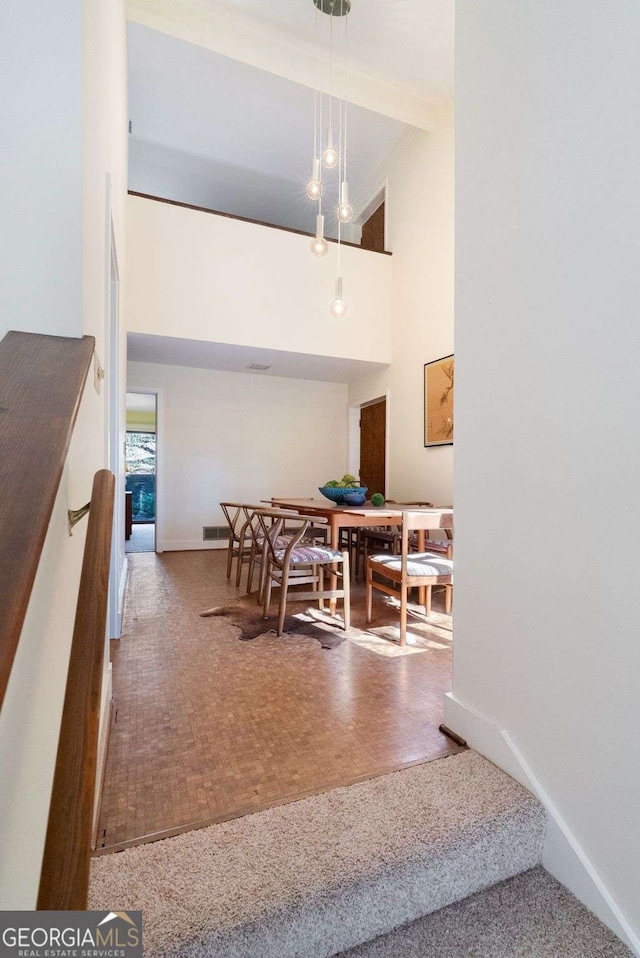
(354, 517)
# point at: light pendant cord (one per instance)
(340, 145)
(331, 72)
(315, 109)
(344, 93)
(321, 94)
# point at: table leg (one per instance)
(422, 590)
(335, 539)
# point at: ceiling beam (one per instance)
(269, 53)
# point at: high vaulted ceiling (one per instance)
(212, 131)
(406, 43)
(221, 96)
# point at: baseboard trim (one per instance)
(562, 856)
(122, 588)
(188, 545)
(104, 733)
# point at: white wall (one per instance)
(65, 129)
(547, 405)
(206, 277)
(41, 202)
(104, 207)
(238, 437)
(419, 173)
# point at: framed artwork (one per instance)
(438, 402)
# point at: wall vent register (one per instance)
(215, 532)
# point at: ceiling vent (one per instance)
(259, 366)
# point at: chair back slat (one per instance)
(437, 519)
(233, 513)
(271, 533)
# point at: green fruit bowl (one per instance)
(337, 495)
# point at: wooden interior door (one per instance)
(373, 437)
(373, 231)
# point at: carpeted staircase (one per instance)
(331, 873)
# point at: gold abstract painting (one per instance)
(438, 402)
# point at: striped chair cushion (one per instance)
(418, 563)
(310, 555)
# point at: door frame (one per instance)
(376, 198)
(114, 452)
(158, 393)
(353, 434)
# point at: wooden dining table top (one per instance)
(365, 514)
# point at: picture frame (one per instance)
(438, 402)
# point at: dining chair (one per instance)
(314, 531)
(233, 513)
(408, 570)
(253, 539)
(254, 535)
(300, 564)
(389, 538)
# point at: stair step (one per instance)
(316, 877)
(530, 916)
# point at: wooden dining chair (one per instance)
(233, 513)
(315, 531)
(408, 570)
(389, 538)
(254, 536)
(300, 564)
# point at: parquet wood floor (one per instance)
(207, 727)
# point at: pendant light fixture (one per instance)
(338, 307)
(345, 209)
(314, 186)
(330, 154)
(332, 157)
(319, 245)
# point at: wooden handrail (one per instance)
(41, 383)
(246, 219)
(64, 879)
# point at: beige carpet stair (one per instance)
(320, 876)
(530, 916)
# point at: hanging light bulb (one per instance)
(330, 155)
(338, 307)
(345, 209)
(314, 186)
(319, 245)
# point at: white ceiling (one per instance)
(172, 351)
(408, 44)
(215, 132)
